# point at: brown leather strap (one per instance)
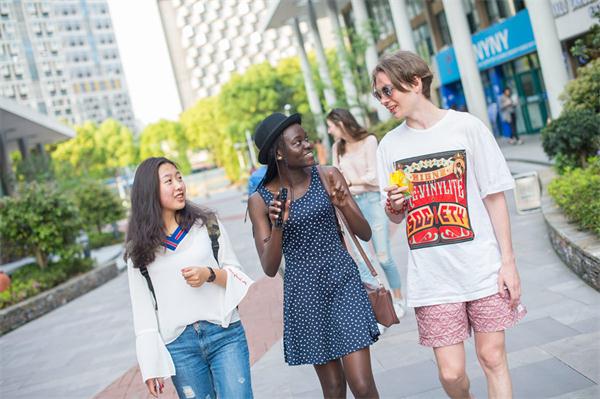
(340, 215)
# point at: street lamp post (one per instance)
(286, 109)
(253, 160)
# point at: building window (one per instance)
(444, 30)
(497, 10)
(423, 42)
(415, 7)
(519, 5)
(472, 16)
(380, 13)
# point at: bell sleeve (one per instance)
(152, 354)
(238, 282)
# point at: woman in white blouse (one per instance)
(185, 308)
(354, 154)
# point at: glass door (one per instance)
(531, 100)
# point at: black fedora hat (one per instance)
(269, 129)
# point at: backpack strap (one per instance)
(212, 225)
(144, 271)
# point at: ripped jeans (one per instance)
(211, 361)
(371, 208)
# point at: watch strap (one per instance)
(212, 275)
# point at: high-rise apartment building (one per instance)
(210, 40)
(60, 57)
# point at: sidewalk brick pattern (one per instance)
(262, 316)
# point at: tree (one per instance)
(588, 47)
(168, 139)
(97, 204)
(203, 123)
(95, 151)
(205, 127)
(584, 92)
(40, 220)
(246, 99)
(36, 167)
(572, 138)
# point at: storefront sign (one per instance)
(574, 17)
(496, 45)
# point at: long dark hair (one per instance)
(146, 228)
(343, 119)
(272, 167)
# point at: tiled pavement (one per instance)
(262, 319)
(86, 348)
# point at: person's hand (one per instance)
(195, 276)
(338, 192)
(396, 196)
(155, 386)
(508, 278)
(275, 210)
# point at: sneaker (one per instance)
(511, 141)
(382, 328)
(399, 308)
(520, 141)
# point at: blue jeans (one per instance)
(211, 361)
(374, 213)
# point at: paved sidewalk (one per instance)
(553, 352)
(86, 348)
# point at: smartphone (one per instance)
(282, 197)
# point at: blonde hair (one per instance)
(402, 68)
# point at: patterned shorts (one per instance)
(451, 323)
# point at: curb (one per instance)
(23, 312)
(532, 161)
(579, 250)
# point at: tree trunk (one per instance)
(583, 160)
(41, 258)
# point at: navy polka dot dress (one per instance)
(326, 311)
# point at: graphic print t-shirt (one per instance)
(453, 255)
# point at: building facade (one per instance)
(476, 47)
(61, 59)
(210, 40)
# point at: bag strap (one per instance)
(340, 215)
(212, 225)
(144, 271)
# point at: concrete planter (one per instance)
(579, 250)
(32, 308)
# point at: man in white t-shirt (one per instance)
(461, 267)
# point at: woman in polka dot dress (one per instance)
(328, 319)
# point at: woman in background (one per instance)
(354, 154)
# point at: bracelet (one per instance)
(390, 208)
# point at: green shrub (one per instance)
(41, 221)
(572, 138)
(382, 128)
(577, 193)
(98, 205)
(99, 240)
(30, 280)
(584, 92)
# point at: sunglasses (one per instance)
(386, 90)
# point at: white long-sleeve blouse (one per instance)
(179, 304)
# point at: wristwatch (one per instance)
(212, 276)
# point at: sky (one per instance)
(145, 59)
